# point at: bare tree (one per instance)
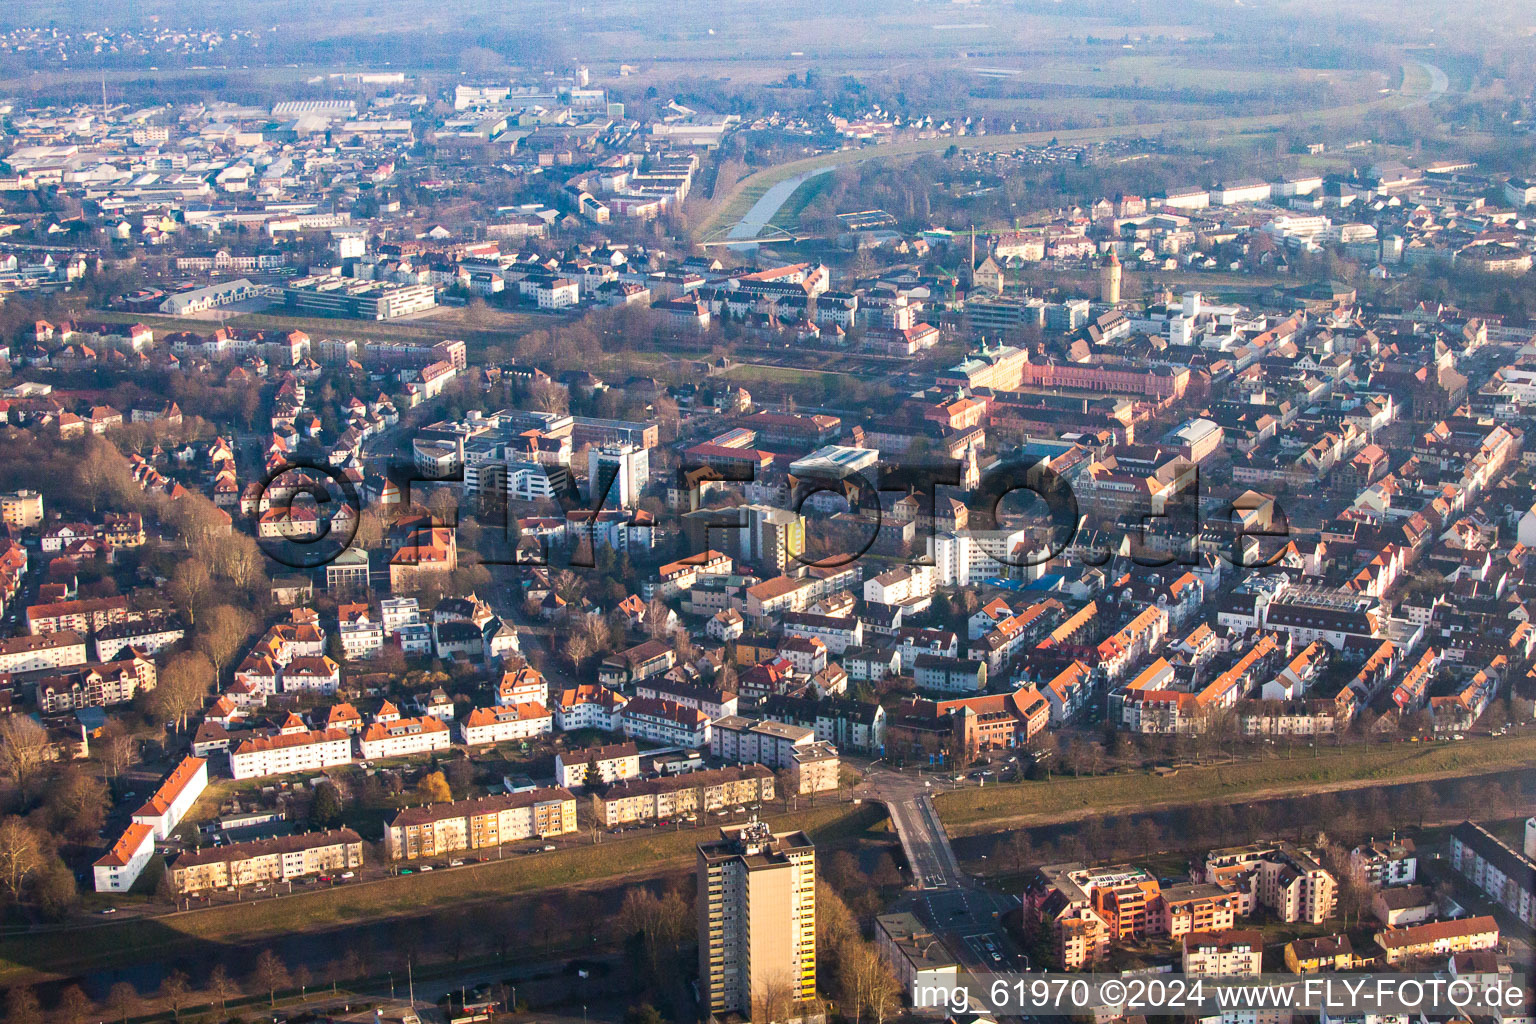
(220, 985)
(191, 582)
(75, 1007)
(223, 632)
(183, 685)
(21, 1006)
(20, 855)
(117, 748)
(23, 749)
(122, 1000)
(174, 989)
(77, 803)
(774, 1000)
(270, 974)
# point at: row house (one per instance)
(1437, 940)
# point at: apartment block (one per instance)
(165, 808)
(757, 922)
(1285, 878)
(676, 796)
(121, 866)
(301, 750)
(1504, 874)
(507, 722)
(1229, 953)
(403, 737)
(593, 766)
(436, 830)
(264, 861)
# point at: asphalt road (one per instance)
(968, 916)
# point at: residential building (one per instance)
(21, 509)
(1324, 953)
(1504, 874)
(121, 866)
(165, 808)
(434, 830)
(594, 766)
(664, 722)
(1385, 862)
(690, 794)
(757, 921)
(403, 737)
(1285, 878)
(44, 651)
(1234, 952)
(505, 722)
(290, 750)
(1437, 940)
(264, 861)
(917, 955)
(589, 706)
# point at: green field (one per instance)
(788, 217)
(758, 373)
(1066, 798)
(68, 951)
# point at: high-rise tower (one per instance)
(757, 922)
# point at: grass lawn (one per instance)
(976, 810)
(750, 373)
(788, 216)
(97, 946)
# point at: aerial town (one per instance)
(591, 534)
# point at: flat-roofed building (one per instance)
(757, 922)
